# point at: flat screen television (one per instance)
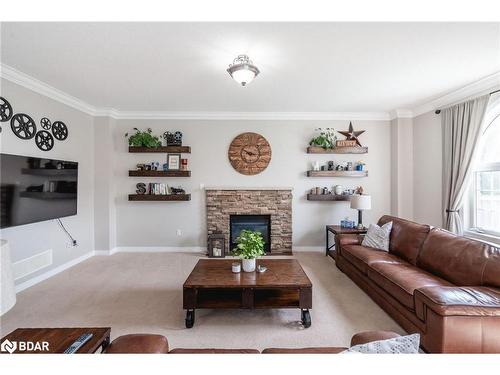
(34, 189)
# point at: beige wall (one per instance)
(402, 168)
(427, 156)
(104, 185)
(154, 224)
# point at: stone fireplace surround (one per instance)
(275, 201)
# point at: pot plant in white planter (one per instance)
(250, 245)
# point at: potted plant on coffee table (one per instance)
(250, 245)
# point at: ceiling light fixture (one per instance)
(242, 70)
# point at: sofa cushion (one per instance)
(458, 301)
(362, 256)
(369, 336)
(460, 260)
(401, 280)
(397, 345)
(378, 237)
(138, 344)
(407, 237)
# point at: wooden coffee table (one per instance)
(59, 339)
(212, 285)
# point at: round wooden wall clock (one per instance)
(249, 153)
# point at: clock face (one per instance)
(249, 153)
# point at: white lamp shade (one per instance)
(361, 202)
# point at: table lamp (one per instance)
(361, 202)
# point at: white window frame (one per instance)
(486, 167)
(469, 212)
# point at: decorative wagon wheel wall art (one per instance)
(45, 123)
(59, 130)
(44, 140)
(5, 110)
(23, 126)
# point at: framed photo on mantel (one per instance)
(174, 162)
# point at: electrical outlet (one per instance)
(179, 232)
(71, 243)
(202, 186)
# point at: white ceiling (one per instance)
(305, 67)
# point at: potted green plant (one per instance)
(143, 139)
(326, 138)
(250, 245)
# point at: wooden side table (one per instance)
(336, 230)
(57, 340)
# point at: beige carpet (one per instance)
(142, 293)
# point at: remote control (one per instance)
(78, 343)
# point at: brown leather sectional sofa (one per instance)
(432, 282)
(158, 344)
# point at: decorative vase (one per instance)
(248, 265)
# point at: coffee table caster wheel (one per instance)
(190, 319)
(306, 318)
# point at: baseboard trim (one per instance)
(318, 249)
(44, 276)
(157, 249)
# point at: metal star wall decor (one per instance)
(352, 135)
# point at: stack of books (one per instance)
(155, 188)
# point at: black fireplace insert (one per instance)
(261, 223)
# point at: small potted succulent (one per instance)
(143, 139)
(250, 245)
(326, 138)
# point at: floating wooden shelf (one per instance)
(337, 173)
(337, 150)
(328, 197)
(46, 195)
(137, 173)
(49, 172)
(154, 197)
(164, 149)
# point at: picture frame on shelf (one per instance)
(174, 162)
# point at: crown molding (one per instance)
(33, 84)
(477, 88)
(289, 116)
(401, 113)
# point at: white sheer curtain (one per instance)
(462, 126)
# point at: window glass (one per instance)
(487, 182)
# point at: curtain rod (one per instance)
(438, 111)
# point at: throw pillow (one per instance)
(378, 237)
(398, 345)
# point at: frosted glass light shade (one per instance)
(243, 76)
(361, 202)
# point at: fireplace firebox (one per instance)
(261, 223)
